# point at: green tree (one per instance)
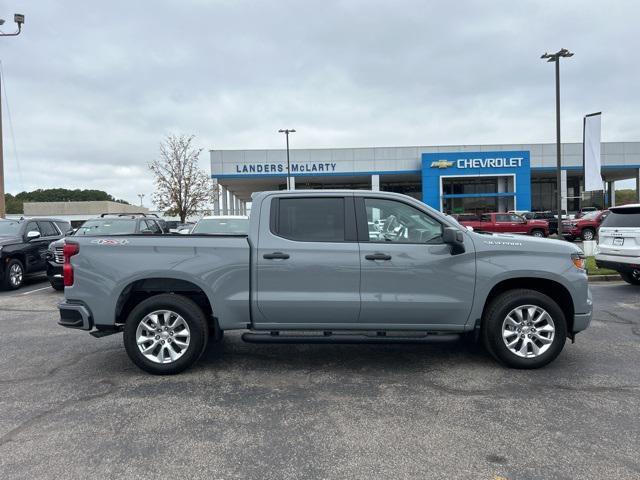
(14, 203)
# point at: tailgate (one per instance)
(620, 241)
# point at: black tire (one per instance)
(588, 232)
(7, 282)
(496, 314)
(537, 233)
(632, 278)
(192, 315)
(57, 286)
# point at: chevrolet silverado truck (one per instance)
(312, 270)
(586, 227)
(508, 223)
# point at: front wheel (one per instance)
(165, 334)
(588, 234)
(13, 275)
(524, 329)
(632, 277)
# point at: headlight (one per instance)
(578, 260)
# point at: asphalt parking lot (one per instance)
(73, 406)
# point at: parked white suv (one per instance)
(619, 247)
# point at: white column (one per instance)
(638, 185)
(292, 183)
(563, 189)
(216, 197)
(502, 188)
(375, 183)
(225, 200)
(236, 206)
(612, 193)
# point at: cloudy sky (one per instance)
(94, 86)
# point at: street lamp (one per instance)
(287, 131)
(19, 19)
(555, 57)
(141, 196)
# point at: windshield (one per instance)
(9, 227)
(222, 225)
(107, 227)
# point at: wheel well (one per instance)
(552, 289)
(140, 290)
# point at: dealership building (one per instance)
(454, 179)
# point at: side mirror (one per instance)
(184, 231)
(33, 234)
(455, 238)
(70, 232)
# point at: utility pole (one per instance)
(287, 131)
(19, 19)
(555, 57)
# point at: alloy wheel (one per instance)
(587, 235)
(528, 331)
(163, 336)
(15, 275)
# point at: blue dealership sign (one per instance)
(462, 164)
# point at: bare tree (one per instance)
(181, 187)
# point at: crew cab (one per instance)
(585, 227)
(311, 270)
(619, 242)
(508, 223)
(23, 245)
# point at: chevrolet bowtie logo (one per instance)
(441, 164)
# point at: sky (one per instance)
(93, 87)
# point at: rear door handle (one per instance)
(378, 256)
(276, 255)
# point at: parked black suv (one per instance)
(105, 224)
(23, 247)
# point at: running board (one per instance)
(331, 337)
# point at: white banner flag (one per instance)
(591, 148)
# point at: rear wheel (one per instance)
(165, 334)
(588, 234)
(632, 277)
(524, 329)
(13, 275)
(538, 233)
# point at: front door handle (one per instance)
(378, 256)
(276, 255)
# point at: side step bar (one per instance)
(343, 338)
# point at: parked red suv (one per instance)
(585, 227)
(507, 223)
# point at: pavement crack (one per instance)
(11, 434)
(635, 327)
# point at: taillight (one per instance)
(69, 250)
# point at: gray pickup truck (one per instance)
(328, 267)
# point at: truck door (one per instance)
(308, 264)
(409, 276)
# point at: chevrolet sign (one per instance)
(441, 164)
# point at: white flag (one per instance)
(591, 148)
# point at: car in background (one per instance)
(105, 224)
(584, 210)
(175, 226)
(23, 247)
(508, 223)
(550, 217)
(585, 227)
(221, 225)
(619, 242)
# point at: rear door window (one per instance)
(311, 219)
(47, 229)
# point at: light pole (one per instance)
(287, 131)
(141, 196)
(555, 57)
(19, 19)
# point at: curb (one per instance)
(604, 278)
